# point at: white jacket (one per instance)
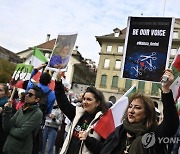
(83, 149)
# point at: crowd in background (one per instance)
(67, 124)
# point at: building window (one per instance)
(175, 35)
(155, 89)
(116, 34)
(103, 80)
(115, 81)
(120, 49)
(141, 85)
(128, 84)
(118, 64)
(109, 48)
(106, 63)
(173, 52)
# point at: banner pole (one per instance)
(164, 7)
(12, 94)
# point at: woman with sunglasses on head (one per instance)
(21, 126)
(140, 133)
(3, 100)
(82, 118)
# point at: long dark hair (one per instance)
(151, 119)
(98, 95)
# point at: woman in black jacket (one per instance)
(140, 132)
(82, 117)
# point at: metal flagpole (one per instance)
(164, 7)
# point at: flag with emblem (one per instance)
(175, 86)
(21, 74)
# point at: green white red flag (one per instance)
(175, 86)
(113, 117)
(175, 66)
(37, 60)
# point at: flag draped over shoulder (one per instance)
(21, 74)
(175, 86)
(112, 119)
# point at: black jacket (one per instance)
(113, 144)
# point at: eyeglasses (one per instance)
(30, 94)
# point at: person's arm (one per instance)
(7, 119)
(32, 123)
(66, 107)
(30, 84)
(35, 70)
(170, 122)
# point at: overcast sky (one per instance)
(25, 23)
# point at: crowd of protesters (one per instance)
(67, 126)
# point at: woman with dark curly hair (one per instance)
(83, 118)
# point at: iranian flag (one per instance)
(37, 60)
(21, 74)
(176, 64)
(175, 86)
(113, 118)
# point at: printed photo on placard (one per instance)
(62, 51)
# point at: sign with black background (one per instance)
(147, 48)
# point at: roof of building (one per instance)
(49, 45)
(12, 57)
(122, 33)
(121, 36)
